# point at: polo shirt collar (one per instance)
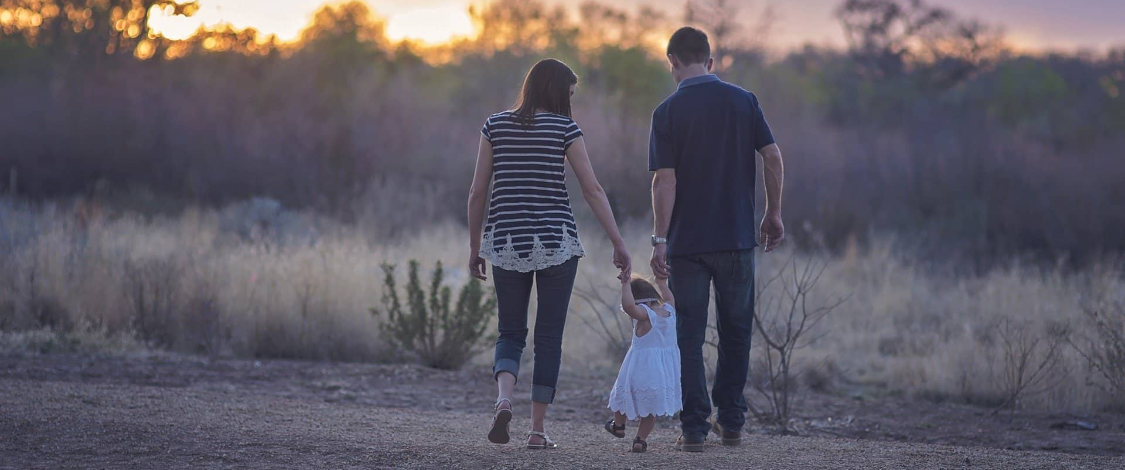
(697, 80)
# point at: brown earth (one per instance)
(164, 412)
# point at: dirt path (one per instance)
(154, 413)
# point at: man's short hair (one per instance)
(689, 46)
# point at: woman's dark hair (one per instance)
(642, 289)
(546, 87)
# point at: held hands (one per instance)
(622, 261)
(624, 277)
(773, 230)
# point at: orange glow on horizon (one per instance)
(431, 26)
(439, 22)
(434, 23)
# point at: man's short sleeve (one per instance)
(762, 134)
(572, 134)
(661, 152)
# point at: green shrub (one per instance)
(440, 337)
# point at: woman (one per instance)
(530, 234)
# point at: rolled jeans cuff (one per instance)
(542, 394)
(506, 365)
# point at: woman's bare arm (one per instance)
(595, 196)
(478, 198)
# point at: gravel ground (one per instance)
(167, 415)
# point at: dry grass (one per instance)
(191, 283)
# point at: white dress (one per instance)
(649, 380)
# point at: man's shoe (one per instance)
(728, 438)
(690, 443)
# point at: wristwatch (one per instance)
(659, 240)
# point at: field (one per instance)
(256, 281)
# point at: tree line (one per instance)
(927, 125)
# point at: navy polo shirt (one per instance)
(708, 131)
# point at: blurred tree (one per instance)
(887, 37)
(720, 19)
(342, 42)
(222, 38)
(87, 28)
(345, 32)
(605, 25)
(521, 27)
(882, 34)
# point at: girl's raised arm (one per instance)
(629, 304)
(665, 291)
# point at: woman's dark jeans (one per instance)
(732, 273)
(513, 292)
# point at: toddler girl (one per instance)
(648, 384)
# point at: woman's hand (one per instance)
(477, 267)
(622, 261)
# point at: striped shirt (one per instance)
(530, 225)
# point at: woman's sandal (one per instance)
(499, 434)
(641, 442)
(547, 442)
(618, 432)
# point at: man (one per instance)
(702, 148)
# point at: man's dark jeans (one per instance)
(732, 273)
(513, 292)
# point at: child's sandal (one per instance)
(499, 433)
(642, 443)
(618, 432)
(547, 442)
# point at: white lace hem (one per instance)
(640, 402)
(539, 258)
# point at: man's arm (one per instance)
(663, 201)
(662, 160)
(773, 230)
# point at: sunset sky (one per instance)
(1032, 24)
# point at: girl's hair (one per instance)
(643, 289)
(546, 87)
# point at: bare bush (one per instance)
(1030, 359)
(1104, 349)
(40, 308)
(605, 318)
(153, 290)
(202, 325)
(441, 338)
(785, 319)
